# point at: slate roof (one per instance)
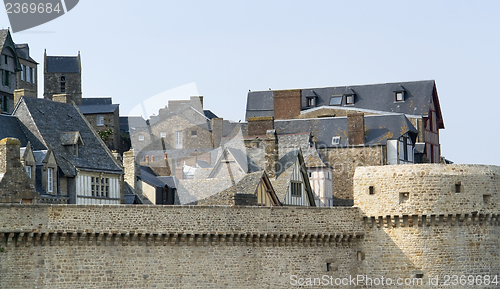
(23, 52)
(373, 96)
(284, 173)
(10, 126)
(62, 64)
(379, 128)
(194, 191)
(127, 122)
(96, 100)
(209, 114)
(98, 108)
(50, 120)
(245, 162)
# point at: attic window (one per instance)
(336, 100)
(336, 140)
(141, 138)
(296, 189)
(400, 95)
(311, 101)
(349, 100)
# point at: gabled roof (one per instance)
(49, 120)
(244, 162)
(62, 64)
(418, 95)
(71, 138)
(10, 126)
(23, 51)
(218, 191)
(284, 176)
(378, 128)
(7, 42)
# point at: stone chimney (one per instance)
(287, 103)
(9, 154)
(356, 128)
(217, 124)
(18, 93)
(132, 169)
(271, 153)
(260, 125)
(15, 184)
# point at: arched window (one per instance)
(63, 84)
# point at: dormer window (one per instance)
(400, 95)
(50, 180)
(71, 140)
(336, 140)
(336, 100)
(349, 99)
(311, 101)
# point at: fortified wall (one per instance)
(409, 221)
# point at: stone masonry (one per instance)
(410, 223)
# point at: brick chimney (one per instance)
(356, 128)
(260, 125)
(217, 124)
(287, 103)
(271, 153)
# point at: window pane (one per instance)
(336, 100)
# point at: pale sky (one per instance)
(134, 50)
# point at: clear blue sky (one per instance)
(133, 50)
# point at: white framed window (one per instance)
(50, 180)
(400, 96)
(141, 138)
(100, 120)
(178, 139)
(28, 170)
(163, 134)
(23, 69)
(336, 140)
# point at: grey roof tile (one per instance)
(52, 119)
(96, 100)
(10, 126)
(98, 108)
(62, 64)
(373, 96)
(379, 129)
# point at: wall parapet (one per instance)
(26, 225)
(476, 219)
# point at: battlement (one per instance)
(427, 190)
(29, 225)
